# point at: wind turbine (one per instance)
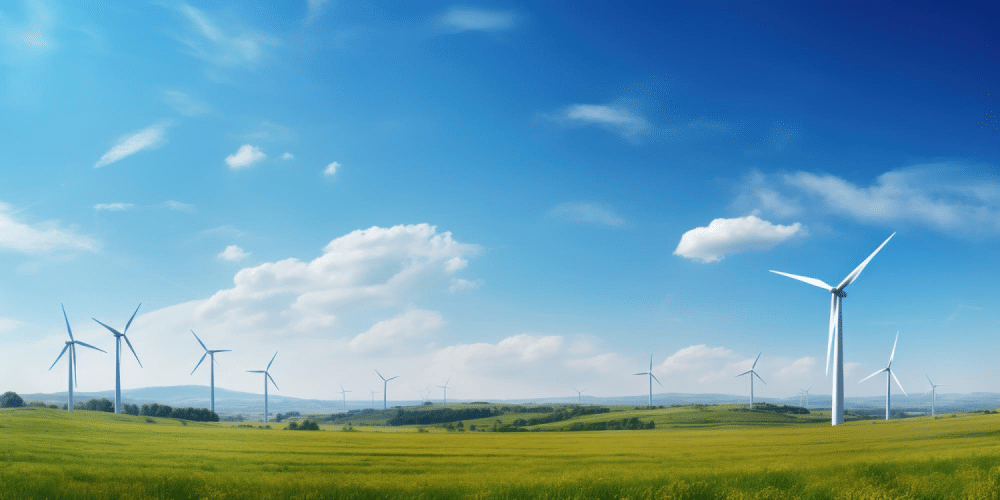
(445, 387)
(933, 392)
(71, 347)
(267, 376)
(806, 393)
(836, 335)
(343, 392)
(118, 356)
(888, 382)
(373, 394)
(651, 379)
(385, 387)
(579, 393)
(752, 375)
(211, 362)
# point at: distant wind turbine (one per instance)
(804, 392)
(651, 379)
(211, 362)
(373, 394)
(889, 373)
(752, 375)
(71, 347)
(837, 330)
(343, 392)
(118, 356)
(579, 393)
(933, 392)
(385, 388)
(267, 376)
(445, 388)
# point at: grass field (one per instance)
(54, 454)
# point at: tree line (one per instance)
(12, 400)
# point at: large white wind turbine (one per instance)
(118, 356)
(211, 362)
(267, 376)
(889, 374)
(71, 347)
(385, 388)
(933, 392)
(445, 388)
(579, 393)
(343, 392)
(651, 379)
(836, 330)
(752, 375)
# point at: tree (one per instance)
(10, 399)
(130, 409)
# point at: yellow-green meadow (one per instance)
(56, 454)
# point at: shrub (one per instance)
(305, 425)
(11, 400)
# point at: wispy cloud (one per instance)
(150, 137)
(331, 169)
(287, 156)
(622, 121)
(233, 253)
(43, 238)
(458, 19)
(183, 103)
(113, 207)
(179, 206)
(31, 36)
(245, 157)
(210, 43)
(464, 285)
(587, 212)
(728, 236)
(315, 8)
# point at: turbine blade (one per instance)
(392, 378)
(272, 361)
(199, 340)
(857, 271)
(380, 376)
(90, 346)
(744, 373)
(116, 332)
(758, 378)
(811, 281)
(255, 371)
(929, 380)
(894, 348)
(76, 368)
(268, 375)
(199, 363)
(130, 319)
(68, 329)
(898, 384)
(656, 379)
(643, 373)
(756, 360)
(222, 350)
(133, 350)
(833, 327)
(446, 382)
(872, 375)
(60, 355)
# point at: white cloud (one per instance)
(697, 360)
(113, 207)
(233, 253)
(150, 137)
(455, 264)
(32, 36)
(618, 119)
(245, 157)
(798, 370)
(458, 19)
(399, 332)
(227, 231)
(461, 285)
(208, 42)
(7, 325)
(48, 237)
(183, 103)
(287, 156)
(331, 169)
(315, 8)
(587, 212)
(727, 236)
(179, 206)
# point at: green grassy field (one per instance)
(54, 454)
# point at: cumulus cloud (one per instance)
(587, 212)
(210, 43)
(150, 137)
(331, 169)
(183, 103)
(727, 236)
(245, 157)
(399, 332)
(43, 238)
(7, 324)
(233, 253)
(113, 207)
(461, 285)
(798, 370)
(287, 156)
(458, 19)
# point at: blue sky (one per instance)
(524, 197)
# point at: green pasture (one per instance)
(54, 454)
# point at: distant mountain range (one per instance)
(250, 405)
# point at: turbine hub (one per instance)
(840, 293)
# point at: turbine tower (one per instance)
(579, 393)
(889, 377)
(267, 376)
(385, 388)
(651, 379)
(836, 330)
(445, 387)
(211, 362)
(933, 392)
(343, 392)
(71, 346)
(752, 375)
(118, 356)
